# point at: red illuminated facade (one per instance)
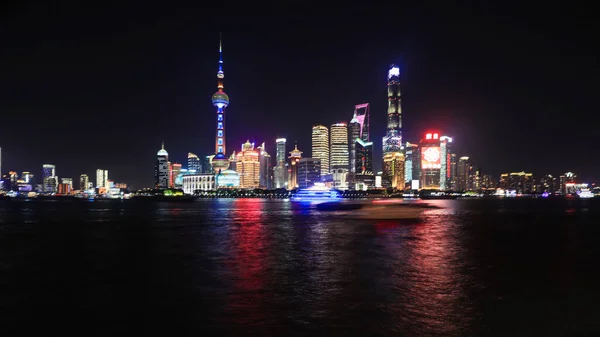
(431, 161)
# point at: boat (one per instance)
(317, 193)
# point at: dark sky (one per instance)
(87, 88)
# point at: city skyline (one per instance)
(477, 105)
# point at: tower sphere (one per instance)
(220, 99)
(220, 162)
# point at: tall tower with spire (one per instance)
(220, 100)
(393, 158)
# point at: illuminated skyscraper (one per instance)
(266, 169)
(446, 163)
(339, 147)
(194, 163)
(412, 165)
(49, 179)
(280, 171)
(248, 166)
(361, 149)
(463, 174)
(102, 178)
(220, 101)
(84, 180)
(320, 147)
(392, 141)
(161, 169)
(309, 172)
(431, 161)
(295, 156)
(174, 171)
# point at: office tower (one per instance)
(453, 171)
(411, 163)
(487, 182)
(464, 171)
(67, 181)
(519, 182)
(248, 166)
(220, 100)
(339, 155)
(102, 178)
(266, 170)
(392, 141)
(295, 156)
(320, 146)
(193, 163)
(84, 180)
(446, 163)
(207, 164)
(49, 180)
(175, 169)
(431, 162)
(28, 178)
(280, 171)
(361, 149)
(161, 169)
(309, 172)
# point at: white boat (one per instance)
(317, 193)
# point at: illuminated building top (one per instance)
(162, 151)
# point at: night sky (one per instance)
(87, 88)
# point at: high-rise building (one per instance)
(487, 182)
(84, 180)
(266, 169)
(361, 149)
(339, 155)
(161, 169)
(320, 147)
(220, 100)
(207, 164)
(566, 178)
(102, 178)
(412, 163)
(446, 163)
(174, 170)
(453, 171)
(194, 163)
(280, 171)
(248, 166)
(67, 181)
(547, 184)
(520, 182)
(309, 172)
(49, 179)
(295, 156)
(431, 162)
(464, 172)
(392, 141)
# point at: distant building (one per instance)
(280, 170)
(266, 169)
(198, 182)
(67, 181)
(464, 172)
(320, 147)
(548, 184)
(64, 189)
(393, 156)
(446, 163)
(309, 172)
(175, 169)
(520, 182)
(431, 162)
(248, 166)
(194, 163)
(161, 168)
(339, 154)
(361, 150)
(295, 156)
(207, 164)
(102, 178)
(49, 179)
(488, 182)
(84, 181)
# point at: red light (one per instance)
(428, 136)
(436, 136)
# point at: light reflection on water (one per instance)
(273, 267)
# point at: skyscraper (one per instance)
(174, 170)
(320, 147)
(102, 178)
(309, 172)
(463, 174)
(84, 179)
(295, 156)
(248, 166)
(49, 179)
(220, 100)
(412, 166)
(339, 147)
(161, 169)
(194, 163)
(361, 148)
(266, 170)
(392, 141)
(280, 171)
(446, 163)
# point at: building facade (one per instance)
(280, 170)
(266, 169)
(309, 172)
(248, 166)
(295, 156)
(392, 141)
(174, 171)
(193, 183)
(49, 179)
(84, 180)
(161, 169)
(320, 147)
(193, 163)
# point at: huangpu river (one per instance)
(253, 267)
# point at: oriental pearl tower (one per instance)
(220, 100)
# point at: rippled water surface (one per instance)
(251, 267)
